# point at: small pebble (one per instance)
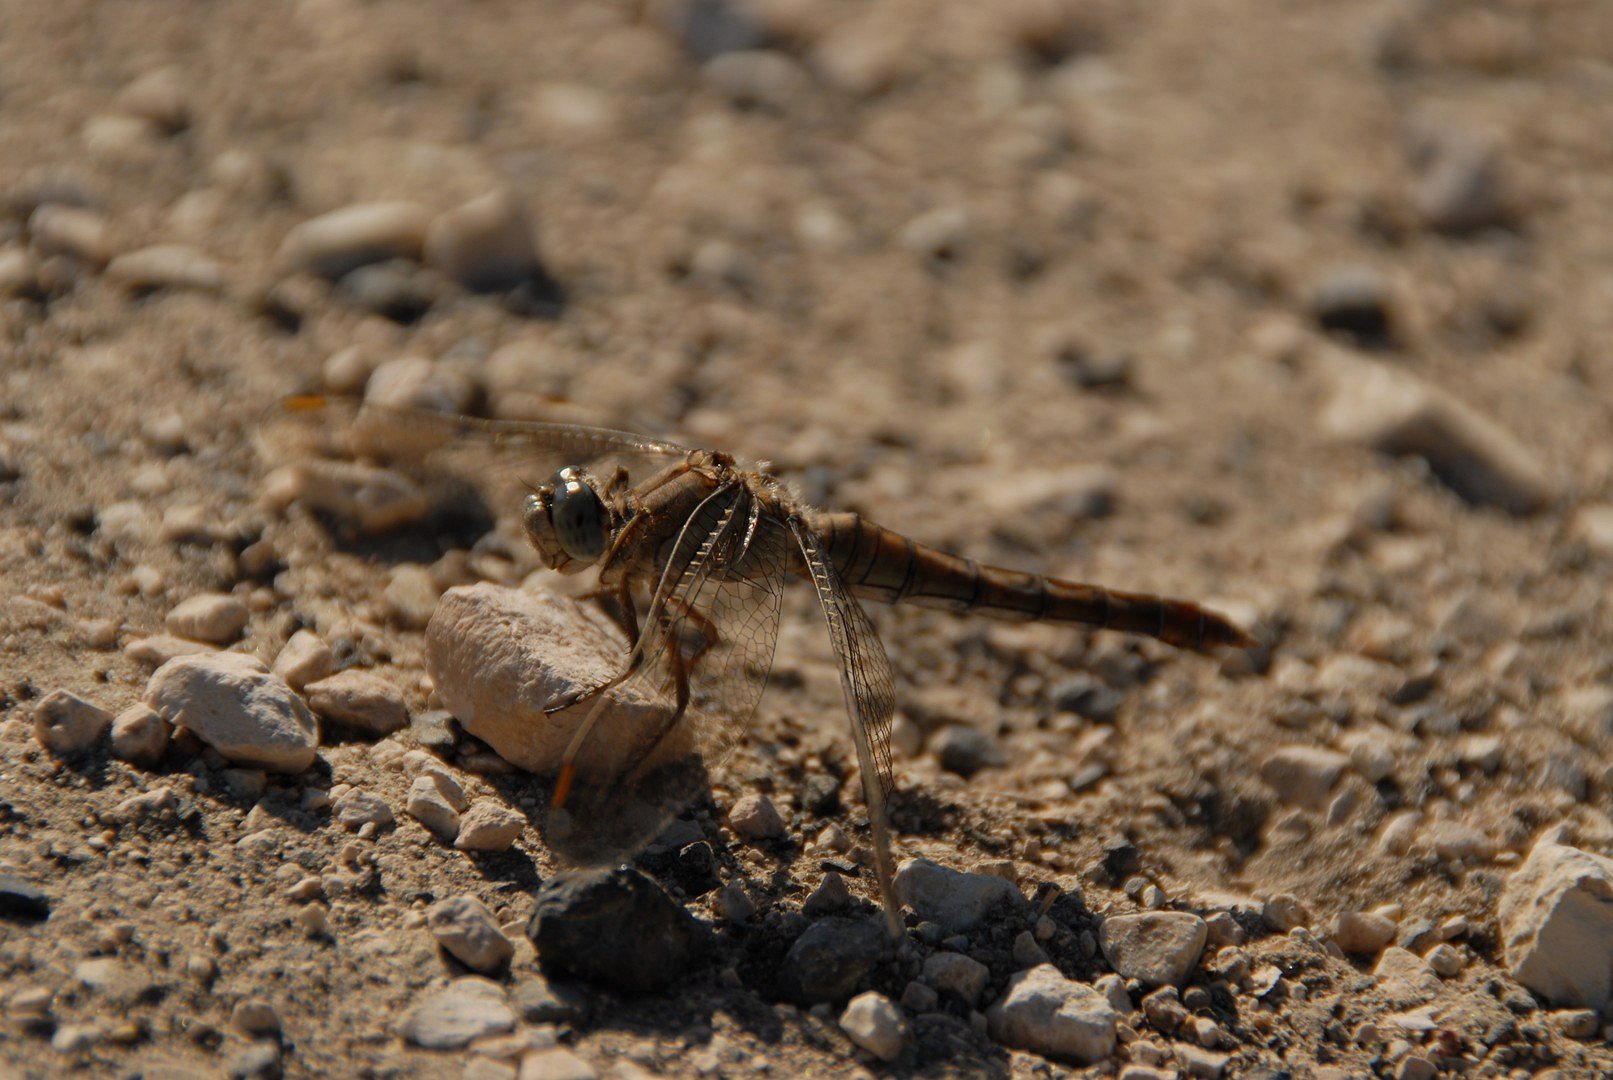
(831, 895)
(959, 976)
(873, 1022)
(235, 705)
(966, 750)
(1158, 948)
(429, 805)
(166, 266)
(22, 900)
(489, 825)
(336, 243)
(304, 659)
(67, 725)
(215, 618)
(256, 1017)
(358, 808)
(469, 1008)
(754, 818)
(70, 230)
(140, 735)
(1364, 933)
(359, 700)
(486, 245)
(465, 927)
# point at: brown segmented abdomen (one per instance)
(881, 564)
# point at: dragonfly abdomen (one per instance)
(881, 564)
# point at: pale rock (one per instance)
(1405, 978)
(158, 802)
(1399, 832)
(963, 977)
(1373, 751)
(430, 806)
(1394, 412)
(304, 659)
(733, 903)
(489, 825)
(67, 725)
(465, 927)
(1113, 989)
(256, 1017)
(19, 272)
(1364, 933)
(486, 245)
(955, 900)
(831, 895)
(1446, 960)
(468, 1008)
(754, 818)
(140, 736)
(1556, 916)
(499, 657)
(1158, 948)
(1047, 1014)
(235, 705)
(874, 1023)
(359, 700)
(1303, 775)
(414, 382)
(555, 1063)
(757, 77)
(215, 618)
(411, 596)
(358, 808)
(1457, 840)
(166, 266)
(160, 97)
(56, 229)
(158, 649)
(343, 240)
(1593, 527)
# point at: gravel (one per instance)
(360, 701)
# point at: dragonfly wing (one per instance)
(499, 458)
(703, 658)
(865, 677)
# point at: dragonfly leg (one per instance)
(682, 667)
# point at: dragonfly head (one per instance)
(567, 521)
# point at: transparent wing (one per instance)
(865, 677)
(496, 457)
(704, 653)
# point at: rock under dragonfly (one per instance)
(500, 656)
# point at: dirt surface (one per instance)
(1079, 288)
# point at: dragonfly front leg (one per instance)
(625, 615)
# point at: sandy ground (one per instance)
(1079, 288)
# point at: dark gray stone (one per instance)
(616, 928)
(22, 900)
(829, 961)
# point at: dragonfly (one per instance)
(693, 556)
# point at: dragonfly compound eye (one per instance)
(577, 515)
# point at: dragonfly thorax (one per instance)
(567, 522)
